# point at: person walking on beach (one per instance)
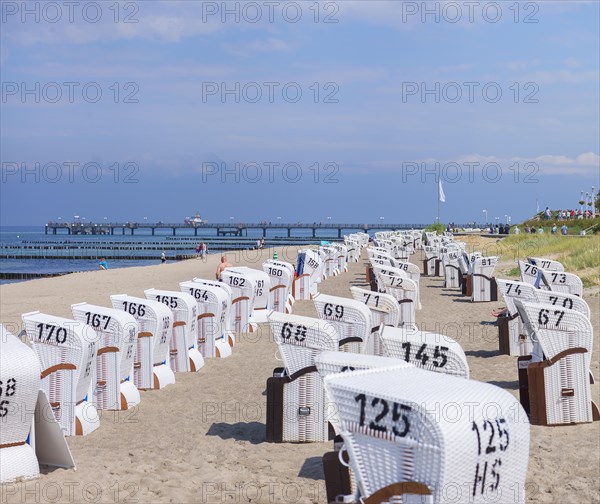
(103, 264)
(222, 265)
(163, 257)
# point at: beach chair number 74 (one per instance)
(399, 412)
(300, 335)
(543, 316)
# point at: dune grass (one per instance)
(579, 254)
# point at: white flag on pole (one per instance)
(441, 194)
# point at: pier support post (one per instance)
(289, 232)
(153, 231)
(314, 232)
(264, 232)
(174, 231)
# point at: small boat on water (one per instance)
(196, 220)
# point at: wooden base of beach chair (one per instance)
(523, 363)
(438, 265)
(467, 285)
(337, 477)
(396, 490)
(196, 361)
(278, 412)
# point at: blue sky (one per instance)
(502, 100)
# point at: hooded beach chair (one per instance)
(183, 350)
(451, 269)
(151, 368)
(352, 320)
(531, 274)
(340, 484)
(281, 280)
(66, 350)
(561, 281)
(431, 261)
(228, 320)
(414, 273)
(212, 303)
(330, 260)
(114, 387)
(384, 307)
(512, 337)
(546, 264)
(484, 286)
(410, 438)
(558, 381)
(296, 407)
(262, 288)
(562, 300)
(243, 287)
(395, 282)
(424, 349)
(342, 256)
(20, 379)
(309, 274)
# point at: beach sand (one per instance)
(203, 438)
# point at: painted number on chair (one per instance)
(275, 272)
(49, 333)
(97, 321)
(531, 270)
(492, 440)
(368, 298)
(134, 308)
(237, 281)
(199, 294)
(545, 314)
(170, 301)
(7, 389)
(297, 331)
(375, 414)
(335, 311)
(516, 291)
(566, 301)
(439, 359)
(559, 278)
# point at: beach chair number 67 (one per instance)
(286, 332)
(543, 316)
(398, 413)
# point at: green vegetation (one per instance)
(438, 226)
(580, 255)
(575, 226)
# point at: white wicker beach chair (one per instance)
(330, 258)
(113, 387)
(414, 273)
(229, 331)
(342, 257)
(212, 303)
(451, 269)
(384, 307)
(262, 287)
(430, 263)
(183, 350)
(66, 350)
(20, 384)
(530, 274)
(352, 320)
(427, 350)
(292, 275)
(558, 376)
(410, 438)
(310, 273)
(512, 337)
(484, 284)
(243, 287)
(151, 368)
(546, 264)
(560, 281)
(280, 293)
(396, 283)
(295, 394)
(562, 300)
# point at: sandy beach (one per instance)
(203, 438)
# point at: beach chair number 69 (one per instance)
(399, 412)
(336, 311)
(300, 335)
